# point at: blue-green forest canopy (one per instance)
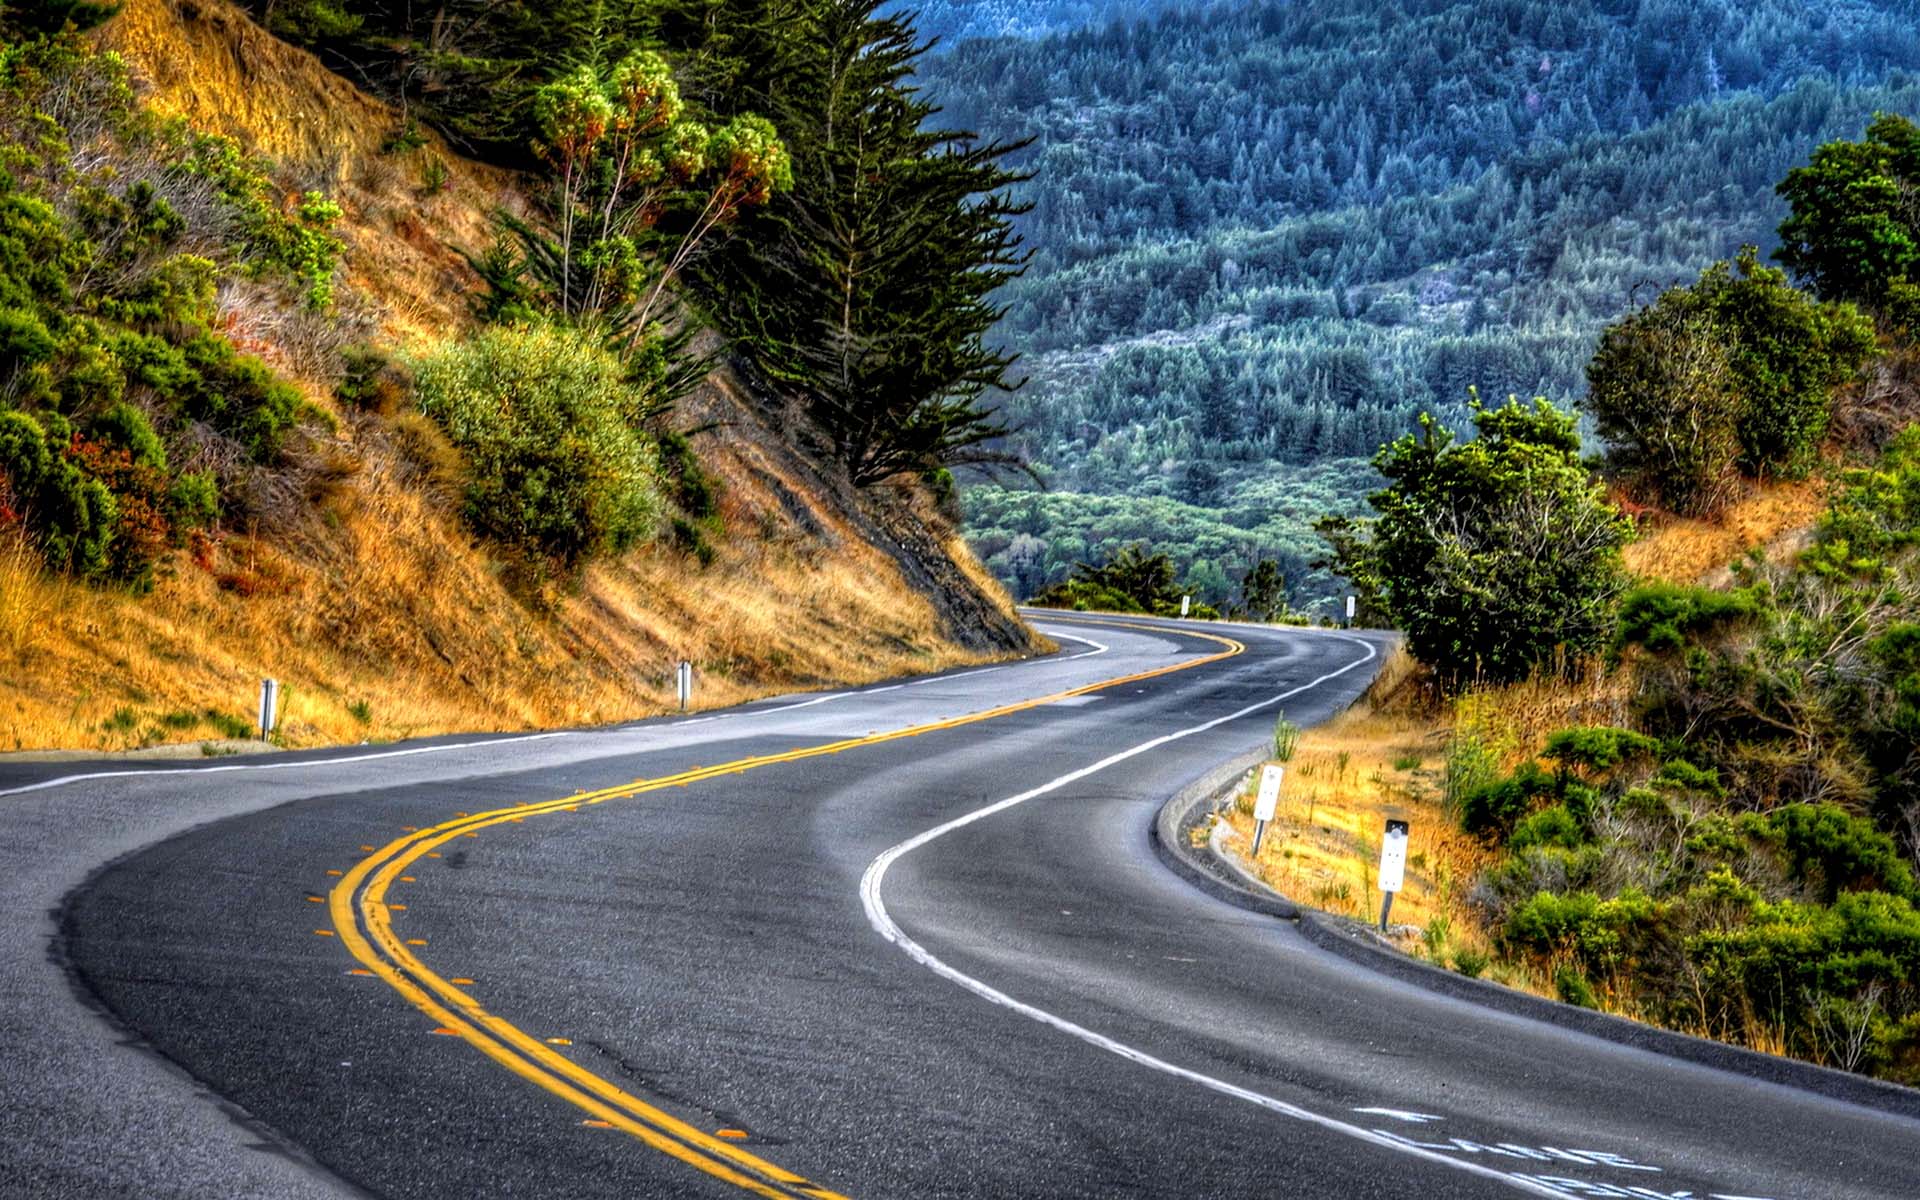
(1267, 236)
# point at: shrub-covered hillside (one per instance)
(1722, 835)
(1268, 235)
(295, 388)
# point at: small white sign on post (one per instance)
(1265, 804)
(1186, 605)
(1268, 801)
(685, 674)
(1351, 605)
(1393, 865)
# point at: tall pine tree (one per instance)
(865, 288)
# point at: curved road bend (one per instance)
(943, 963)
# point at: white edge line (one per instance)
(137, 772)
(883, 923)
(286, 766)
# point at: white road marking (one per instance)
(883, 922)
(1400, 1114)
(285, 766)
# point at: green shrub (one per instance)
(1597, 749)
(1523, 571)
(550, 427)
(1553, 826)
(1737, 369)
(1493, 809)
(1470, 962)
(1664, 617)
(72, 515)
(1572, 988)
(1833, 851)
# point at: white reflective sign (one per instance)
(1269, 798)
(1186, 605)
(1393, 856)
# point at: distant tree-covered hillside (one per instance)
(956, 20)
(1273, 233)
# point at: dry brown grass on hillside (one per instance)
(352, 582)
(204, 60)
(1773, 516)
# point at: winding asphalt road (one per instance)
(905, 941)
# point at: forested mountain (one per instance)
(1269, 235)
(956, 20)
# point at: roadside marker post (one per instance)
(1393, 866)
(1186, 605)
(269, 701)
(685, 675)
(1266, 803)
(1350, 608)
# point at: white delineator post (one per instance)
(685, 674)
(269, 701)
(1186, 605)
(1393, 866)
(1265, 804)
(1351, 604)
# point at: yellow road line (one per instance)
(365, 928)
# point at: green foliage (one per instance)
(867, 289)
(112, 242)
(1263, 593)
(1733, 373)
(70, 514)
(1852, 229)
(1496, 806)
(624, 156)
(1032, 539)
(1494, 555)
(1286, 737)
(1271, 234)
(1133, 580)
(1663, 616)
(32, 18)
(550, 424)
(1597, 749)
(1553, 826)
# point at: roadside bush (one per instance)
(550, 426)
(71, 515)
(1497, 556)
(1664, 617)
(1735, 371)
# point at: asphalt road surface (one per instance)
(905, 941)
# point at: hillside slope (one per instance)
(1267, 235)
(349, 578)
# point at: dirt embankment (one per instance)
(350, 578)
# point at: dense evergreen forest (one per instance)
(1267, 236)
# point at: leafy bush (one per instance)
(1495, 808)
(1851, 230)
(550, 425)
(1737, 370)
(1665, 616)
(107, 346)
(1597, 749)
(1494, 555)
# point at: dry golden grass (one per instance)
(1385, 757)
(1378, 760)
(1693, 550)
(378, 613)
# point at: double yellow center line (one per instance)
(364, 922)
